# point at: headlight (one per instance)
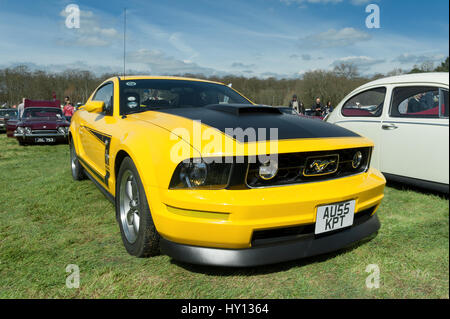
(27, 130)
(357, 159)
(61, 130)
(268, 169)
(19, 130)
(198, 174)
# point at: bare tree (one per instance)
(346, 70)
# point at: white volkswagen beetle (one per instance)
(407, 118)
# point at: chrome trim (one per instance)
(418, 123)
(40, 135)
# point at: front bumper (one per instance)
(305, 246)
(228, 219)
(59, 137)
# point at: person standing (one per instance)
(297, 105)
(68, 111)
(317, 108)
(21, 107)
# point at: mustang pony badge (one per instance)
(316, 166)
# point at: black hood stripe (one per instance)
(289, 126)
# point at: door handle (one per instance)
(389, 126)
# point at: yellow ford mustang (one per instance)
(199, 172)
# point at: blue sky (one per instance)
(282, 38)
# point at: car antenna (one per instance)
(124, 40)
(124, 45)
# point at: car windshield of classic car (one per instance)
(145, 95)
(42, 112)
(8, 113)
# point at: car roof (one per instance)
(432, 77)
(159, 77)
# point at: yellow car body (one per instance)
(218, 226)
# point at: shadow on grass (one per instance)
(269, 269)
(406, 187)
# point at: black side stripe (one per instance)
(102, 189)
(106, 140)
(92, 171)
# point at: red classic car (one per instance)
(40, 122)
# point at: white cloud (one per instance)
(362, 62)
(240, 65)
(90, 34)
(334, 38)
(160, 63)
(408, 58)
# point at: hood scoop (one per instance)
(243, 109)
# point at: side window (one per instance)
(105, 94)
(365, 104)
(419, 102)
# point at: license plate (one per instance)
(334, 216)
(44, 139)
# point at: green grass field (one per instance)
(48, 221)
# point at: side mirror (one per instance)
(94, 106)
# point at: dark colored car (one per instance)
(287, 110)
(5, 116)
(39, 124)
(312, 114)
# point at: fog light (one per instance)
(268, 169)
(61, 130)
(357, 159)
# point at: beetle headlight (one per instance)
(198, 174)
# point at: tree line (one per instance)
(329, 85)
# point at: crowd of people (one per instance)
(317, 109)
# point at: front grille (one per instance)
(277, 235)
(44, 131)
(291, 167)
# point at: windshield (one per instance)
(39, 112)
(145, 95)
(11, 113)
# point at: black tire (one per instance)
(146, 241)
(75, 166)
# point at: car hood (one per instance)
(261, 119)
(43, 123)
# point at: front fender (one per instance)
(150, 149)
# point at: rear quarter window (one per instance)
(365, 104)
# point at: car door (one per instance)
(415, 133)
(96, 132)
(361, 113)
